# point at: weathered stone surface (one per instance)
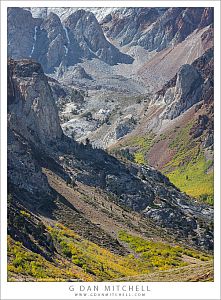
(79, 73)
(24, 171)
(127, 25)
(32, 112)
(186, 93)
(85, 29)
(54, 44)
(155, 28)
(124, 126)
(21, 31)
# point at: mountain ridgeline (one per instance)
(54, 44)
(97, 150)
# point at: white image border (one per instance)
(158, 290)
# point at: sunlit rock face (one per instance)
(31, 108)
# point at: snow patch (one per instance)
(35, 37)
(66, 50)
(68, 40)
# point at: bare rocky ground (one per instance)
(95, 205)
(116, 92)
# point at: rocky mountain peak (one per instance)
(192, 84)
(154, 28)
(57, 45)
(80, 15)
(88, 33)
(128, 24)
(53, 26)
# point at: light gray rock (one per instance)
(124, 126)
(186, 93)
(79, 73)
(32, 109)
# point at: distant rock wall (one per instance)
(154, 28)
(192, 84)
(54, 44)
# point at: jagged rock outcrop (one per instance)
(192, 84)
(31, 108)
(32, 120)
(85, 29)
(187, 92)
(207, 17)
(64, 12)
(124, 126)
(57, 45)
(128, 24)
(80, 73)
(205, 66)
(154, 28)
(145, 190)
(24, 171)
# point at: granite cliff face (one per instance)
(51, 43)
(186, 93)
(33, 123)
(21, 35)
(31, 108)
(85, 29)
(192, 84)
(55, 44)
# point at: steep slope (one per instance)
(140, 189)
(155, 28)
(21, 37)
(196, 272)
(54, 44)
(32, 130)
(159, 69)
(72, 263)
(179, 137)
(87, 32)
